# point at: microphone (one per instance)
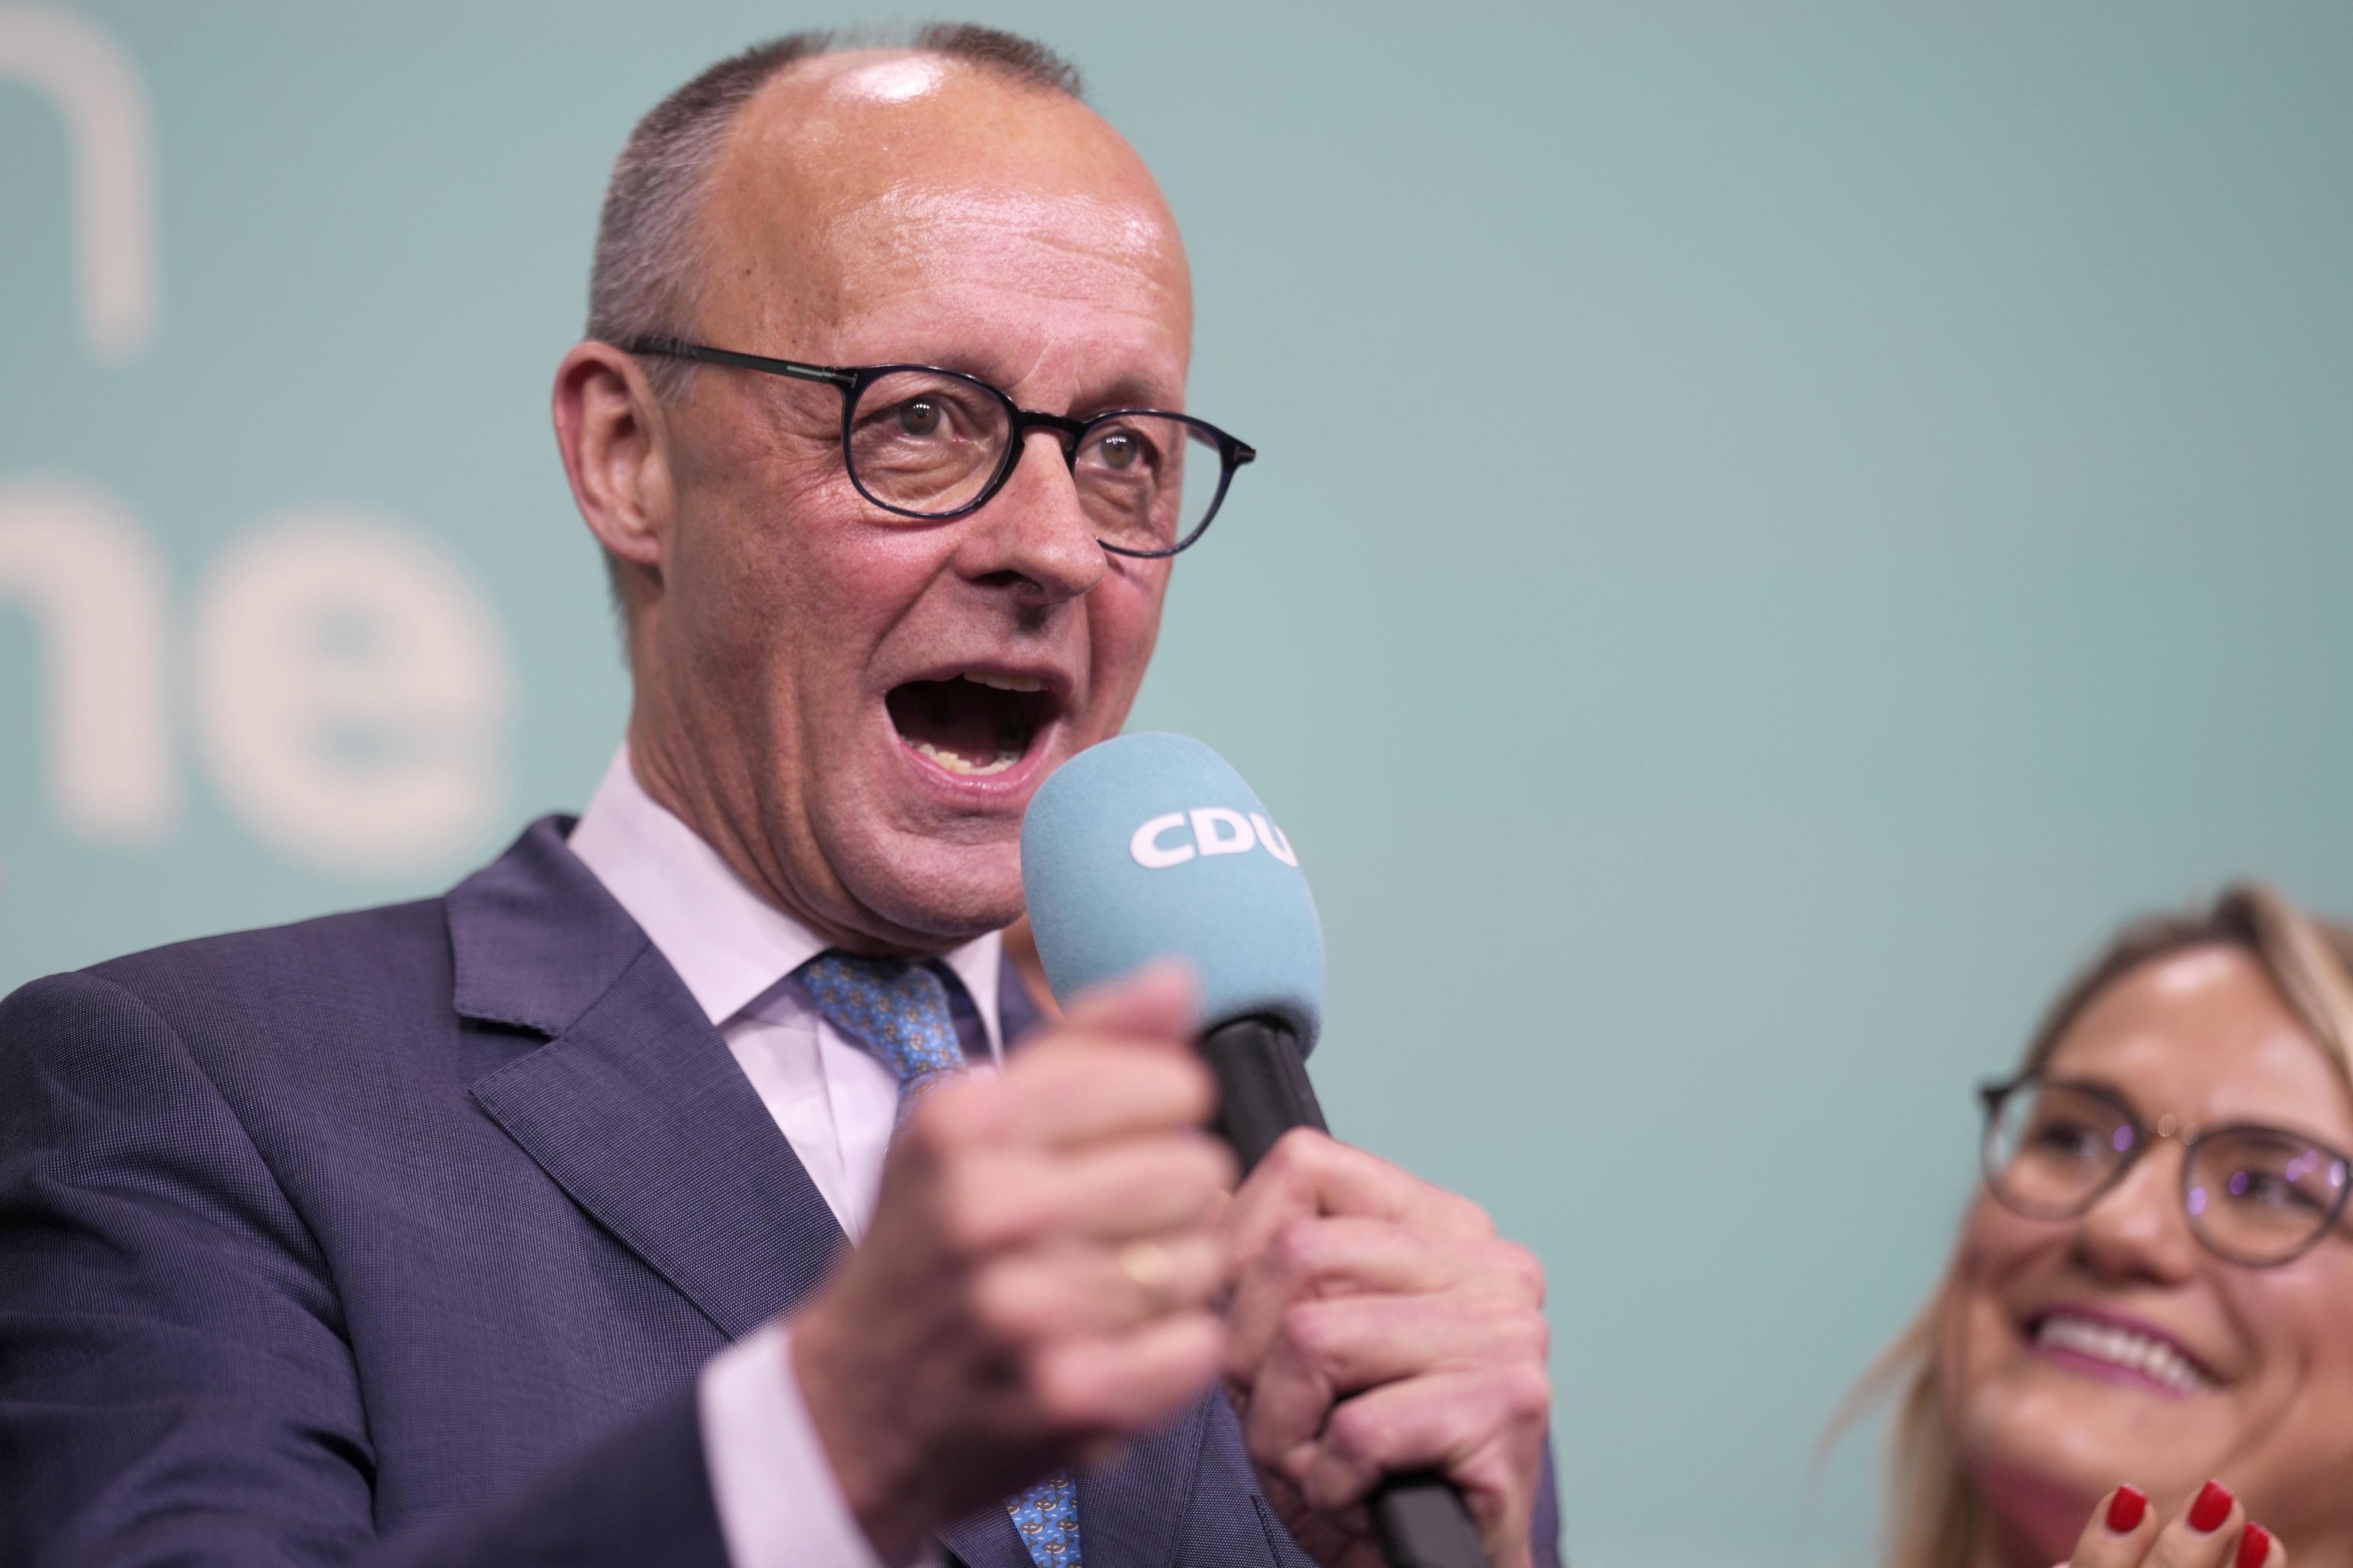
(1151, 846)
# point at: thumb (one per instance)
(1159, 1002)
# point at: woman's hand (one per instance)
(2212, 1530)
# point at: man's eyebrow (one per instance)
(1123, 389)
(1129, 389)
(1128, 392)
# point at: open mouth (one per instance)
(2116, 1348)
(974, 724)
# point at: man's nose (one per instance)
(1034, 534)
(2139, 1229)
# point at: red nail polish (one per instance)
(2127, 1510)
(2212, 1507)
(2254, 1546)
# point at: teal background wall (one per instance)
(1774, 530)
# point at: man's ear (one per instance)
(608, 428)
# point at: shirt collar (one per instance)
(728, 944)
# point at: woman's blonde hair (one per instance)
(1933, 1512)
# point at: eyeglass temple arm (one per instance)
(678, 349)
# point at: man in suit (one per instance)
(515, 1225)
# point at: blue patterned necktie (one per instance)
(901, 1014)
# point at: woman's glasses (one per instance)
(2255, 1195)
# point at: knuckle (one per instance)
(1525, 1271)
(1260, 1444)
(1296, 1248)
(1298, 1465)
(1303, 1334)
(998, 1309)
(1294, 1152)
(1353, 1435)
(1473, 1219)
(1527, 1393)
(1524, 1333)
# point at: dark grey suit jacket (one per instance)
(400, 1236)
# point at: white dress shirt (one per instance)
(777, 1501)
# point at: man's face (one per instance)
(872, 700)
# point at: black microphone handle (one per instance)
(1263, 1093)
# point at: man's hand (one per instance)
(1378, 1325)
(1039, 1277)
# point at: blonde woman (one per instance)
(2144, 1342)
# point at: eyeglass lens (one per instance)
(2254, 1195)
(928, 443)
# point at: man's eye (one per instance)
(1120, 450)
(919, 417)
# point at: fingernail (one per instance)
(2254, 1546)
(2212, 1507)
(2127, 1508)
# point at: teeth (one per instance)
(2153, 1359)
(1005, 682)
(955, 763)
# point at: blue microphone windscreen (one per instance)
(1151, 846)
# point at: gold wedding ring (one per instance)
(1148, 1264)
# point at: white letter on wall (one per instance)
(97, 588)
(80, 70)
(352, 692)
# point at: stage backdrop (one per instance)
(1770, 536)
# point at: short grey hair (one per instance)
(651, 241)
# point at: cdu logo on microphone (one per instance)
(1217, 829)
(1151, 846)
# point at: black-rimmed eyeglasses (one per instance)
(924, 442)
(2254, 1195)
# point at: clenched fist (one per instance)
(1380, 1326)
(1040, 1277)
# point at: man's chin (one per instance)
(933, 894)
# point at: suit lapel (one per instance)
(1132, 1512)
(987, 1540)
(634, 1106)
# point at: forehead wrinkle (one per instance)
(1068, 247)
(1117, 229)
